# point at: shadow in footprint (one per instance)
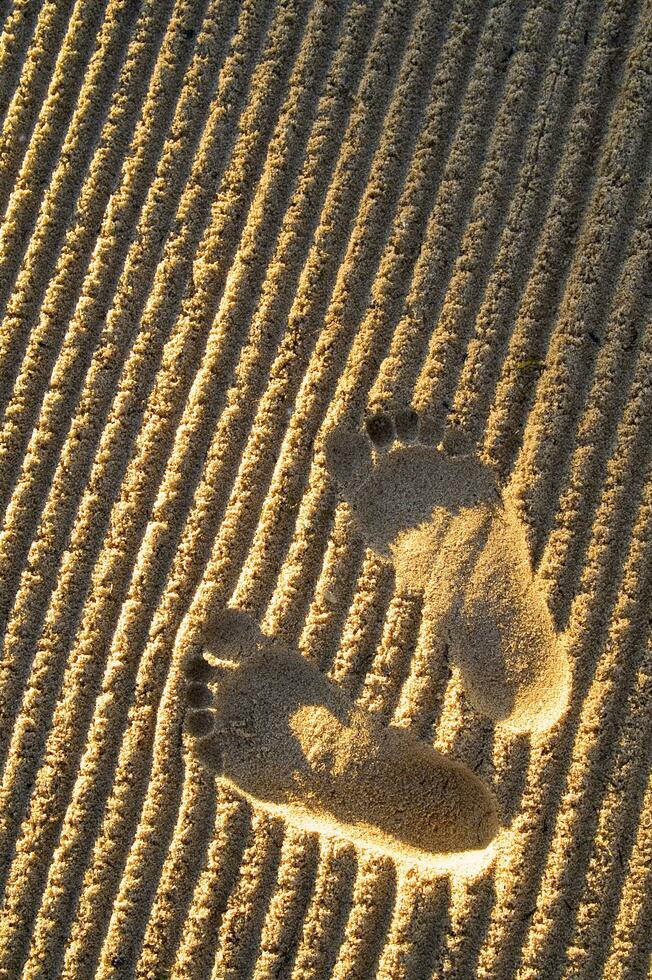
(266, 720)
(442, 522)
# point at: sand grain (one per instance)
(226, 228)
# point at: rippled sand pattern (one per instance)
(228, 226)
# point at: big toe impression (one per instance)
(348, 457)
(231, 634)
(288, 738)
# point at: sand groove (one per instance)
(227, 228)
(17, 31)
(21, 113)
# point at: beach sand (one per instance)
(229, 229)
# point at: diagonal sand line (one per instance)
(470, 212)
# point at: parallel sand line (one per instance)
(601, 386)
(325, 921)
(15, 47)
(601, 579)
(87, 425)
(516, 115)
(384, 678)
(212, 478)
(171, 375)
(251, 371)
(606, 569)
(448, 216)
(344, 564)
(598, 260)
(86, 429)
(468, 755)
(201, 928)
(20, 114)
(370, 601)
(242, 919)
(465, 935)
(559, 915)
(339, 346)
(523, 226)
(349, 293)
(33, 415)
(420, 918)
(472, 902)
(184, 587)
(623, 363)
(631, 944)
(420, 699)
(468, 165)
(292, 893)
(167, 286)
(92, 255)
(313, 291)
(463, 734)
(49, 424)
(374, 894)
(604, 708)
(121, 426)
(449, 950)
(35, 222)
(168, 501)
(625, 478)
(188, 851)
(615, 831)
(577, 176)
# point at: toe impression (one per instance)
(381, 431)
(348, 457)
(289, 739)
(200, 723)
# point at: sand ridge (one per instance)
(266, 720)
(228, 228)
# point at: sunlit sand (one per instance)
(334, 314)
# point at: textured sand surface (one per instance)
(229, 225)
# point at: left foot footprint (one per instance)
(263, 718)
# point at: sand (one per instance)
(230, 229)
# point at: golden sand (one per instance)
(231, 228)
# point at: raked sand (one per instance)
(230, 226)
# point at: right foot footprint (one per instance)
(263, 718)
(442, 522)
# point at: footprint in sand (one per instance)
(444, 525)
(267, 721)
